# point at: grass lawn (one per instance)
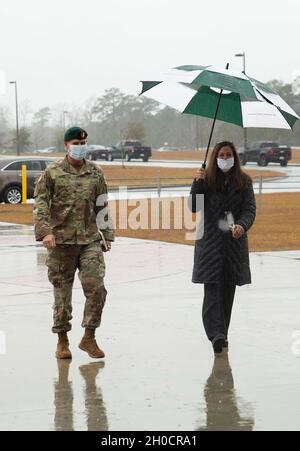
(276, 228)
(147, 176)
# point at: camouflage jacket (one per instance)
(65, 204)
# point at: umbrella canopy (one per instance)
(221, 95)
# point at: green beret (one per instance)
(75, 133)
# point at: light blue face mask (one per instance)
(78, 152)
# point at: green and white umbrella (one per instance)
(223, 95)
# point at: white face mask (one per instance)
(225, 165)
(78, 152)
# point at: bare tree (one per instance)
(136, 130)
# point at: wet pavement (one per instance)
(159, 373)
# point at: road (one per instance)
(191, 164)
(290, 183)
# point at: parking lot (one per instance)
(159, 373)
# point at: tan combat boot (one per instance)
(89, 345)
(63, 352)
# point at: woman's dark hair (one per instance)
(215, 178)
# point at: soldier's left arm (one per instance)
(101, 208)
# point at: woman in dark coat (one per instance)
(222, 255)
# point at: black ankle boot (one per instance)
(218, 345)
(226, 344)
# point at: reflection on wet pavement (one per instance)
(63, 398)
(158, 371)
(222, 410)
(95, 411)
(7, 229)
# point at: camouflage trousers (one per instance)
(62, 262)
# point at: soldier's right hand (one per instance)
(200, 174)
(49, 242)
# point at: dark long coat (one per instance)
(217, 249)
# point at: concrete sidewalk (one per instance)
(159, 373)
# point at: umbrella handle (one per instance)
(212, 129)
(213, 126)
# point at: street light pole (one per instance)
(17, 116)
(64, 119)
(243, 55)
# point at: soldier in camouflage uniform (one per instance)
(65, 212)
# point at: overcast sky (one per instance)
(65, 51)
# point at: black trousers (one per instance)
(217, 308)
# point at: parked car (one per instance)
(168, 149)
(128, 150)
(6, 151)
(265, 152)
(11, 177)
(97, 152)
(46, 150)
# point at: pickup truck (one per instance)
(128, 150)
(265, 152)
(97, 152)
